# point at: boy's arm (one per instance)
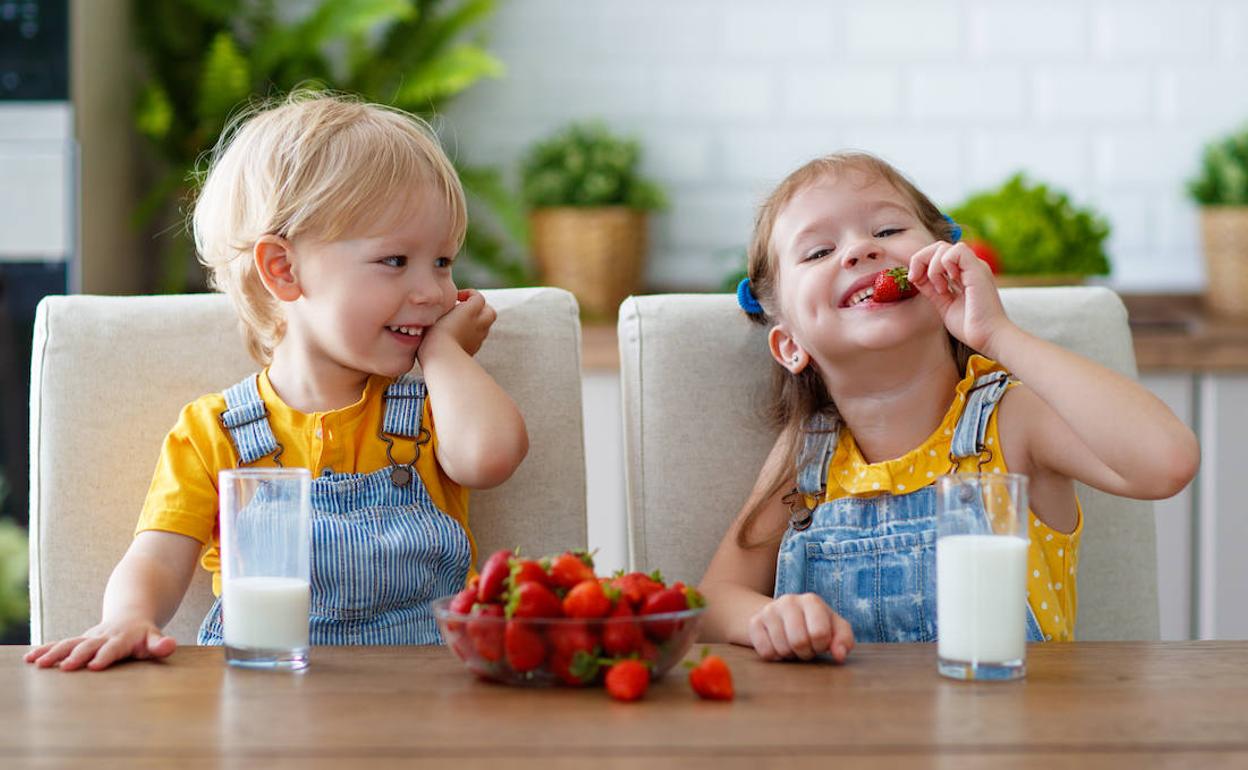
(481, 435)
(143, 593)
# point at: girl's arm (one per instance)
(481, 434)
(739, 582)
(143, 593)
(1080, 419)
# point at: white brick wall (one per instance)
(1110, 99)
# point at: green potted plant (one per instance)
(205, 60)
(1221, 190)
(1036, 235)
(588, 214)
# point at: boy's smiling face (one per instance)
(366, 298)
(830, 240)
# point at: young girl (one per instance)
(332, 225)
(876, 399)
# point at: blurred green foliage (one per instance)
(1223, 176)
(586, 165)
(206, 58)
(1035, 229)
(14, 576)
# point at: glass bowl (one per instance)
(564, 651)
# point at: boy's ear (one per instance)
(786, 350)
(272, 255)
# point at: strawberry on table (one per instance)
(711, 678)
(627, 680)
(893, 285)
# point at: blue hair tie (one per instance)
(746, 298)
(955, 233)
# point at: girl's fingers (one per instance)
(818, 625)
(57, 652)
(112, 651)
(842, 637)
(796, 633)
(775, 631)
(84, 652)
(160, 646)
(37, 652)
(936, 269)
(760, 639)
(919, 263)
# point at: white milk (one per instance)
(266, 613)
(981, 598)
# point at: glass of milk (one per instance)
(265, 566)
(981, 575)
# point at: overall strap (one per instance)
(818, 446)
(972, 427)
(405, 407)
(246, 420)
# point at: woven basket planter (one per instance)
(1224, 230)
(596, 253)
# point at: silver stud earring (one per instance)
(795, 359)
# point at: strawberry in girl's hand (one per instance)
(710, 678)
(893, 285)
(987, 254)
(628, 680)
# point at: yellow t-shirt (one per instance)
(1051, 557)
(183, 495)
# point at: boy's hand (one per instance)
(961, 287)
(467, 325)
(103, 645)
(802, 626)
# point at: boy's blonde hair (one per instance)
(310, 164)
(797, 398)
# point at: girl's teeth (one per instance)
(862, 296)
(411, 331)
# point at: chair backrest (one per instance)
(695, 374)
(109, 376)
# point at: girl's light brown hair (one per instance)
(798, 398)
(310, 164)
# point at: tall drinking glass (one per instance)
(266, 566)
(981, 575)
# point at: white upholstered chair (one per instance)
(694, 372)
(109, 376)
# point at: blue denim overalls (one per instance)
(873, 559)
(381, 550)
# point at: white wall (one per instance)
(1110, 100)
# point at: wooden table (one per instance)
(1087, 704)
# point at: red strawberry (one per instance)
(561, 665)
(621, 634)
(533, 600)
(987, 254)
(710, 678)
(461, 604)
(487, 633)
(636, 586)
(524, 646)
(628, 680)
(893, 285)
(570, 568)
(526, 571)
(493, 575)
(587, 599)
(668, 600)
(571, 636)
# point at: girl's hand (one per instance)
(467, 324)
(961, 287)
(802, 626)
(103, 645)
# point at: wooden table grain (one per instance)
(1171, 704)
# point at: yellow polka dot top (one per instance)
(1052, 556)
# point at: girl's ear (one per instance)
(272, 254)
(786, 350)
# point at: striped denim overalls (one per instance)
(873, 559)
(381, 549)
